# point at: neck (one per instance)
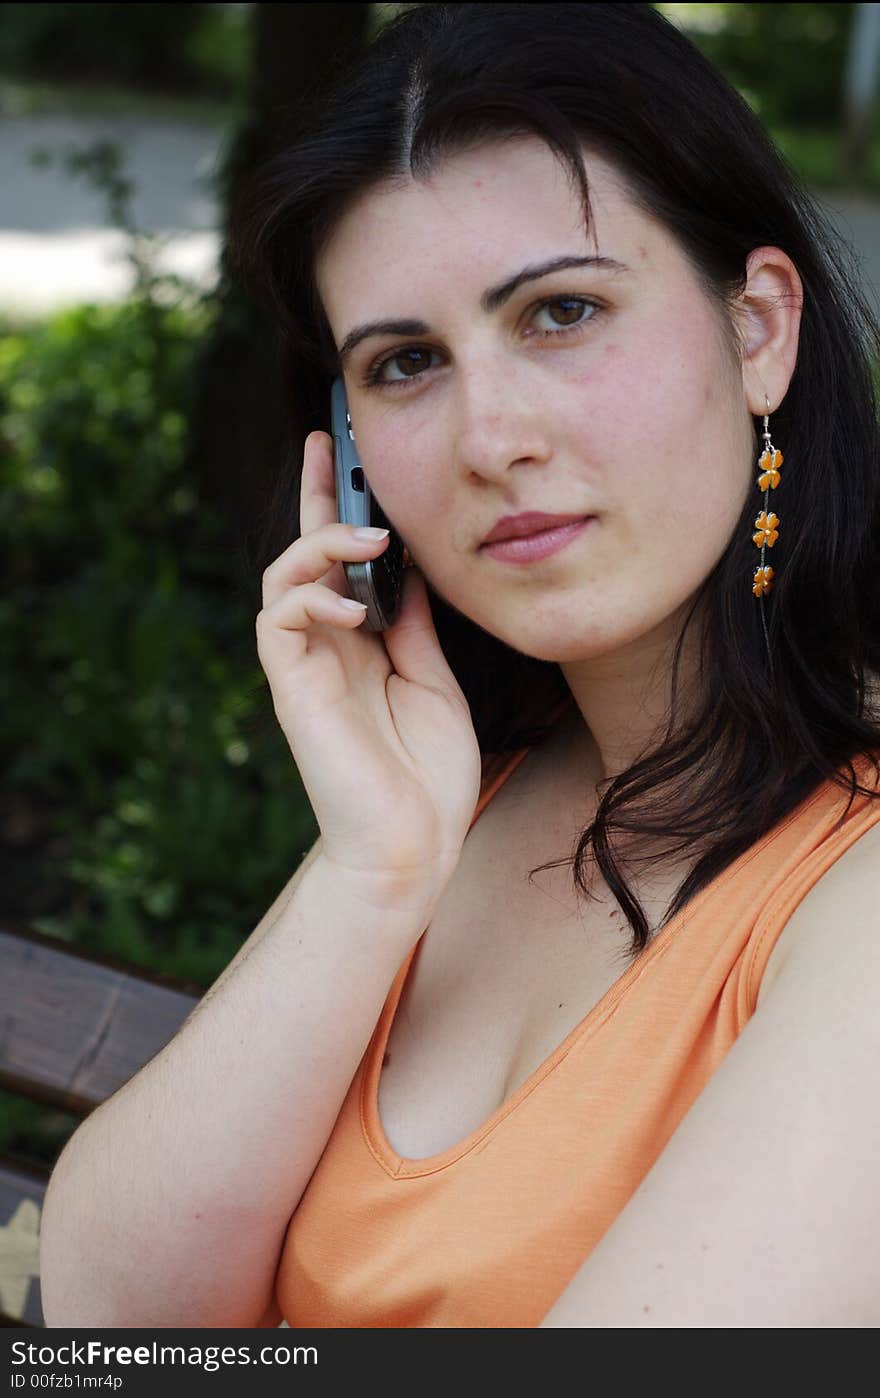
(623, 699)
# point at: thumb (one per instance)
(412, 643)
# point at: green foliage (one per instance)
(145, 787)
(788, 60)
(137, 732)
(164, 46)
(143, 745)
(31, 1133)
(219, 48)
(132, 703)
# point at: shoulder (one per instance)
(837, 917)
(761, 1209)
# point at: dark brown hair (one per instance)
(624, 82)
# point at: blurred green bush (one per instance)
(150, 809)
(144, 766)
(164, 47)
(788, 60)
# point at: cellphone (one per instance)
(377, 582)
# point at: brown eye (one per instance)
(566, 313)
(414, 359)
(573, 309)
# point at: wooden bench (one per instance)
(73, 1028)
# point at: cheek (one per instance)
(660, 430)
(647, 396)
(402, 479)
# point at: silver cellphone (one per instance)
(377, 582)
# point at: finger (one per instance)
(412, 643)
(302, 607)
(317, 503)
(318, 558)
(317, 497)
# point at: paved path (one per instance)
(56, 246)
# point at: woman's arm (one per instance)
(762, 1211)
(169, 1204)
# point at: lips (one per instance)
(532, 522)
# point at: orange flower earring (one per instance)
(767, 523)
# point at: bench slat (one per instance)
(75, 1027)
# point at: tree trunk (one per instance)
(861, 87)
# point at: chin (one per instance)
(568, 653)
(559, 644)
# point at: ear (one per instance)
(768, 314)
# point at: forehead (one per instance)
(495, 207)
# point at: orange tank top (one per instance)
(490, 1232)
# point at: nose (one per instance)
(497, 423)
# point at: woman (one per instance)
(562, 270)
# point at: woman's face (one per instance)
(592, 390)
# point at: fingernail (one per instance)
(370, 533)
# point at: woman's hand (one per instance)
(377, 723)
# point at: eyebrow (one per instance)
(491, 299)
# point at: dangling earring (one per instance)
(767, 523)
(407, 560)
